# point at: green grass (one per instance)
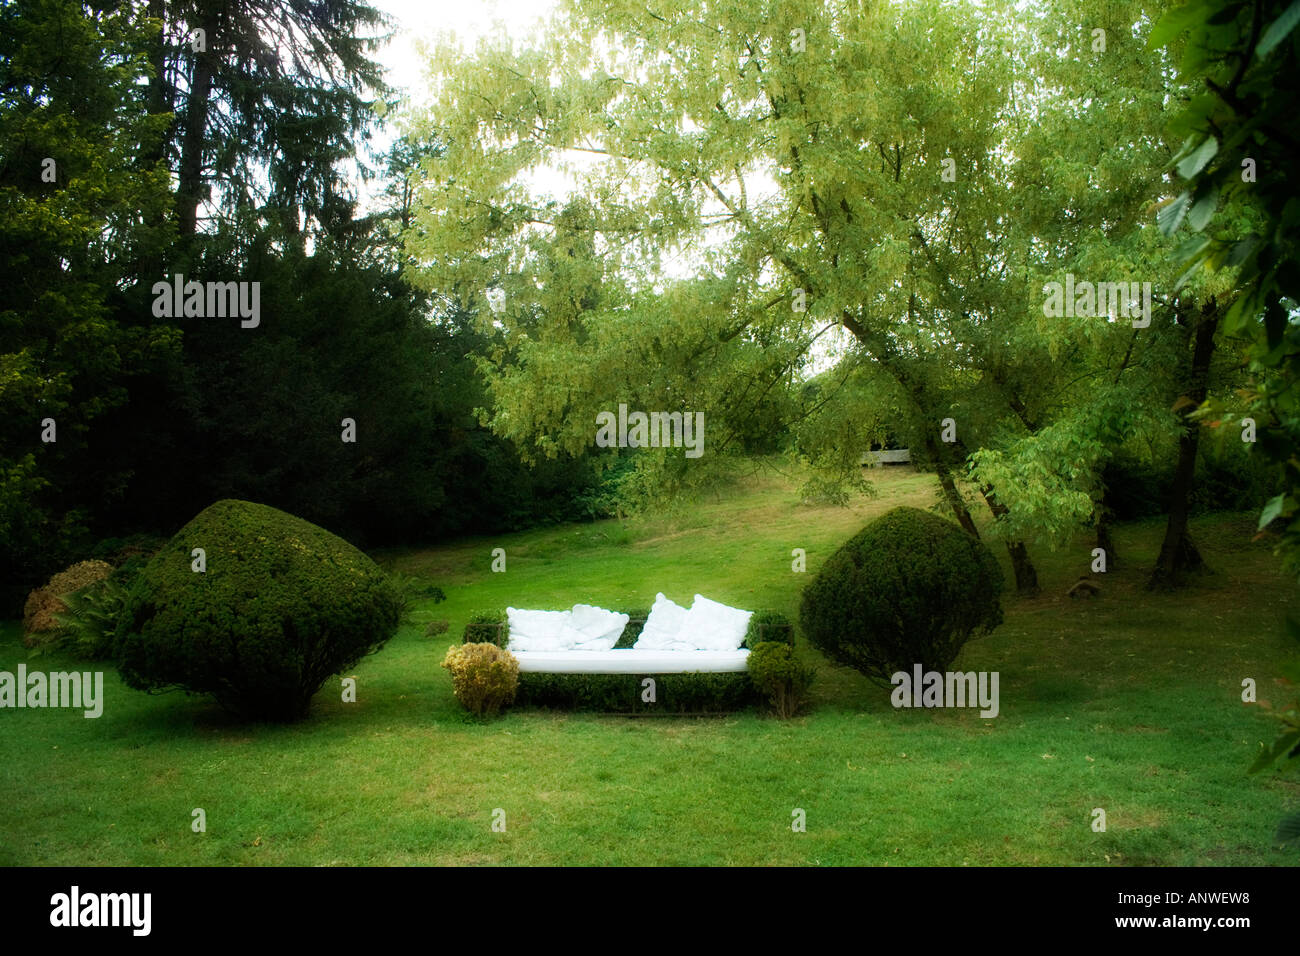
(1129, 702)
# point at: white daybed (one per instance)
(632, 660)
(707, 638)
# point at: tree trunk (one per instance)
(194, 133)
(159, 101)
(1026, 573)
(1178, 555)
(951, 493)
(1104, 539)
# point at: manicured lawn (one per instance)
(1130, 702)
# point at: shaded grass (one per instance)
(1129, 702)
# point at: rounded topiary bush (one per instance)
(909, 588)
(281, 606)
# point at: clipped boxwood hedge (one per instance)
(622, 693)
(491, 627)
(281, 607)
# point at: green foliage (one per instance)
(1228, 478)
(622, 693)
(274, 106)
(484, 677)
(420, 467)
(95, 620)
(1241, 60)
(486, 627)
(909, 588)
(778, 675)
(72, 236)
(282, 606)
(916, 287)
(768, 626)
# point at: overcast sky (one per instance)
(469, 19)
(434, 21)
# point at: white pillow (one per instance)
(539, 630)
(596, 629)
(662, 631)
(710, 626)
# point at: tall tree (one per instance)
(76, 209)
(269, 98)
(807, 157)
(1238, 206)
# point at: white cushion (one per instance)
(663, 627)
(711, 626)
(595, 628)
(539, 630)
(633, 661)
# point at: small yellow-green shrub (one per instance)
(484, 677)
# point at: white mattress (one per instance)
(631, 660)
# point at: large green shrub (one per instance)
(281, 606)
(910, 588)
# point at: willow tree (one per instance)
(1097, 155)
(872, 172)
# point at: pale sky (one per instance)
(467, 19)
(425, 21)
